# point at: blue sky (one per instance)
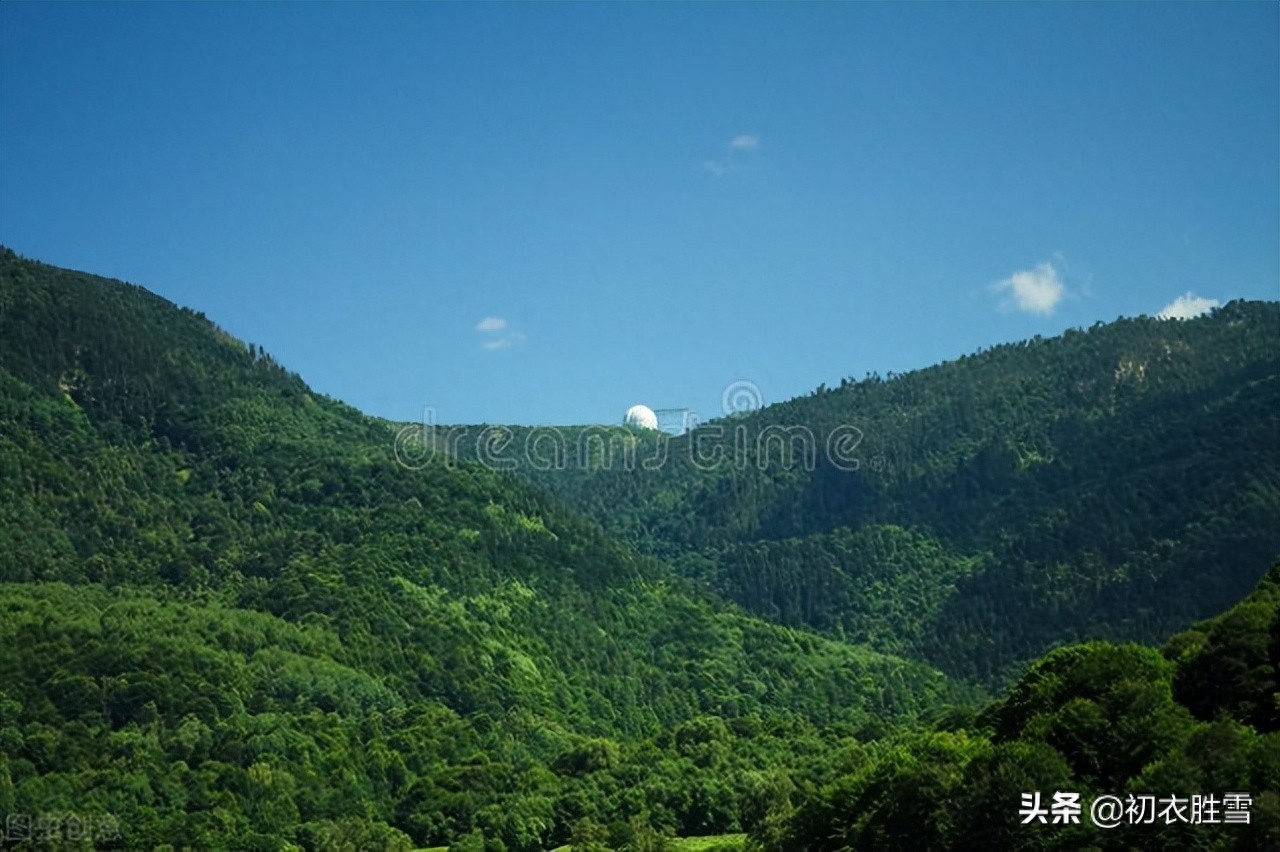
(545, 213)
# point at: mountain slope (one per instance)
(1194, 722)
(1118, 482)
(232, 617)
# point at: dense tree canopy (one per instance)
(230, 611)
(976, 513)
(237, 614)
(1092, 719)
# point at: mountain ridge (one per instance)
(1118, 453)
(238, 618)
(217, 582)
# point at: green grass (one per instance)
(714, 843)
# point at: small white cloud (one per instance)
(1187, 306)
(496, 335)
(1032, 291)
(738, 151)
(505, 341)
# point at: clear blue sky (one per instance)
(645, 202)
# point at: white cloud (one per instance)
(1188, 305)
(1032, 291)
(736, 153)
(496, 334)
(505, 341)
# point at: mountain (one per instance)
(232, 618)
(1118, 482)
(1187, 727)
(236, 614)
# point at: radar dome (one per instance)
(640, 417)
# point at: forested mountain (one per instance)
(1183, 729)
(1117, 482)
(235, 614)
(232, 619)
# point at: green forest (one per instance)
(974, 514)
(238, 614)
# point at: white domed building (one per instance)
(640, 417)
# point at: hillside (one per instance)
(232, 618)
(1118, 482)
(1196, 721)
(237, 614)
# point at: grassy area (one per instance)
(715, 843)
